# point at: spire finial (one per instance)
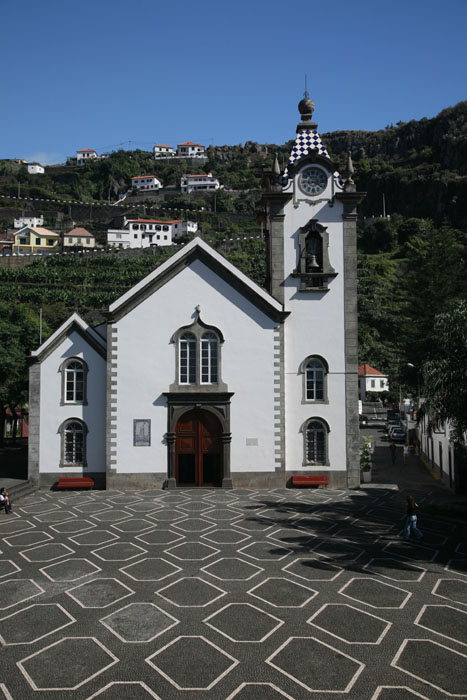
(306, 105)
(349, 185)
(276, 167)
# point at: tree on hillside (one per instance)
(445, 374)
(19, 333)
(434, 276)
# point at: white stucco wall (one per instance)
(315, 327)
(53, 414)
(146, 368)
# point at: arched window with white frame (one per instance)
(73, 443)
(315, 371)
(74, 381)
(315, 433)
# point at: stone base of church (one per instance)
(139, 480)
(238, 480)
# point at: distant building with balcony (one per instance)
(79, 237)
(35, 169)
(161, 150)
(201, 182)
(85, 154)
(146, 182)
(188, 149)
(370, 381)
(142, 233)
(22, 221)
(35, 239)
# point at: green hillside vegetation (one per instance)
(411, 265)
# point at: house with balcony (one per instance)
(370, 381)
(161, 150)
(86, 154)
(35, 240)
(79, 237)
(143, 233)
(197, 183)
(188, 149)
(146, 182)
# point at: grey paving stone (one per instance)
(334, 575)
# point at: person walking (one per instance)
(393, 448)
(411, 509)
(405, 453)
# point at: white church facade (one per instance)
(200, 377)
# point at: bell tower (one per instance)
(311, 214)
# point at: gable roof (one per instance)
(38, 230)
(73, 323)
(79, 231)
(367, 370)
(197, 249)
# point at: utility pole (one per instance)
(384, 206)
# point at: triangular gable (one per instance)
(74, 323)
(197, 249)
(368, 371)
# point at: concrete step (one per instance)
(20, 490)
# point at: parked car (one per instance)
(398, 435)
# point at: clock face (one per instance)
(312, 180)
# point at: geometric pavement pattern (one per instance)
(246, 594)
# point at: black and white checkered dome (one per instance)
(306, 140)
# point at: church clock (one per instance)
(312, 180)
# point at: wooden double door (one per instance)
(198, 449)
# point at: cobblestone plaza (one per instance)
(245, 594)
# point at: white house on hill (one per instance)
(161, 150)
(35, 169)
(188, 149)
(200, 377)
(370, 380)
(85, 154)
(195, 183)
(146, 182)
(142, 233)
(28, 221)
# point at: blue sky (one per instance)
(100, 73)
